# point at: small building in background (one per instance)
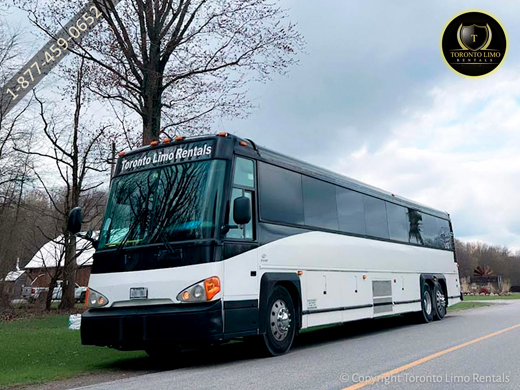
(14, 282)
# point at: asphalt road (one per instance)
(343, 356)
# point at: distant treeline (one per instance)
(500, 259)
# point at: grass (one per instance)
(42, 349)
(491, 297)
(467, 305)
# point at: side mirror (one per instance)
(74, 220)
(242, 210)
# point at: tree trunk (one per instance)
(152, 93)
(69, 274)
(52, 286)
(72, 200)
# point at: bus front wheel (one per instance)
(280, 322)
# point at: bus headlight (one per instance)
(200, 292)
(94, 299)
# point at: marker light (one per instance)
(242, 143)
(154, 143)
(179, 138)
(121, 154)
(202, 291)
(167, 140)
(222, 134)
(94, 299)
(300, 273)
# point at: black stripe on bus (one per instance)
(406, 302)
(317, 311)
(241, 304)
(328, 310)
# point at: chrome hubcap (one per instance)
(427, 302)
(280, 320)
(441, 301)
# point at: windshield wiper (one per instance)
(165, 241)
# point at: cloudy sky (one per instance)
(373, 99)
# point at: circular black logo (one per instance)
(474, 44)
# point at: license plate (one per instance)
(138, 293)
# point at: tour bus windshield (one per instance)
(173, 203)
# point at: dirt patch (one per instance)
(18, 312)
(81, 380)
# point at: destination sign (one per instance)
(166, 156)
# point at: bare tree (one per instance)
(14, 170)
(179, 63)
(79, 157)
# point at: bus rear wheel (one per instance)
(426, 314)
(439, 302)
(280, 322)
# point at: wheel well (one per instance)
(429, 282)
(291, 282)
(295, 296)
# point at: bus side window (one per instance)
(244, 178)
(247, 232)
(244, 173)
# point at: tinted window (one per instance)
(319, 204)
(244, 172)
(351, 214)
(436, 232)
(281, 198)
(415, 221)
(445, 234)
(397, 222)
(375, 217)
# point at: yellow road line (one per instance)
(398, 370)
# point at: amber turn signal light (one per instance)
(212, 287)
(86, 298)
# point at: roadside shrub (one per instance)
(464, 286)
(506, 286)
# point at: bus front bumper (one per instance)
(140, 327)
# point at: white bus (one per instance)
(214, 238)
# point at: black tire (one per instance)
(426, 314)
(280, 321)
(82, 297)
(439, 302)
